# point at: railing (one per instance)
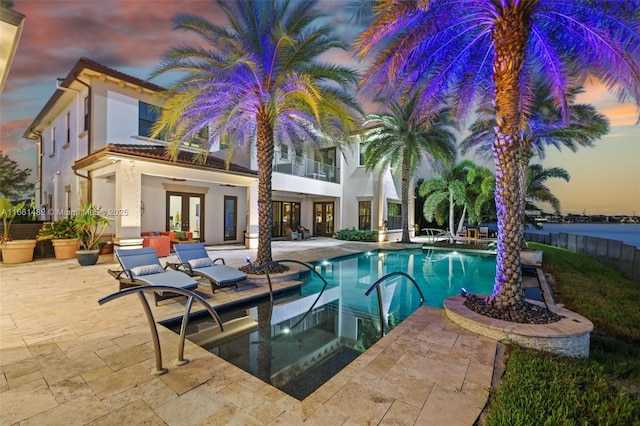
(623, 257)
(152, 325)
(304, 167)
(376, 286)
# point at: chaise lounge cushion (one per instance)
(202, 262)
(146, 270)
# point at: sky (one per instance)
(132, 35)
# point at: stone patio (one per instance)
(67, 360)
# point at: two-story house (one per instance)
(93, 144)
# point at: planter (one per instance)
(87, 257)
(18, 251)
(531, 257)
(65, 248)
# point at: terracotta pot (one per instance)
(18, 251)
(65, 248)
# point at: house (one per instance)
(93, 144)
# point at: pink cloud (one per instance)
(11, 136)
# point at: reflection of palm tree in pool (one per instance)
(431, 260)
(264, 341)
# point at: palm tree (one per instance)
(400, 140)
(477, 49)
(258, 81)
(537, 191)
(463, 184)
(545, 126)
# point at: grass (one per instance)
(543, 389)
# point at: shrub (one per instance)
(355, 235)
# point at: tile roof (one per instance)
(158, 152)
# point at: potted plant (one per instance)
(63, 236)
(90, 224)
(14, 251)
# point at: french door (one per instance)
(185, 212)
(323, 213)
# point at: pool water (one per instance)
(310, 332)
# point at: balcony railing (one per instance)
(304, 167)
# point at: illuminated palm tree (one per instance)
(544, 126)
(477, 49)
(258, 81)
(401, 140)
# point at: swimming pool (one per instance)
(308, 333)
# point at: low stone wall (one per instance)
(623, 257)
(569, 337)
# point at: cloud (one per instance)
(115, 33)
(11, 136)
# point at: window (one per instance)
(364, 215)
(147, 115)
(67, 123)
(394, 216)
(361, 152)
(284, 152)
(53, 141)
(86, 113)
(230, 218)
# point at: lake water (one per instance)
(628, 233)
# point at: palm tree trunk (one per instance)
(462, 217)
(523, 175)
(265, 149)
(510, 35)
(404, 207)
(452, 219)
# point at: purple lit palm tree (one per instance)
(544, 126)
(400, 139)
(257, 80)
(474, 49)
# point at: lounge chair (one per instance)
(194, 260)
(141, 266)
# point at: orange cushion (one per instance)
(160, 243)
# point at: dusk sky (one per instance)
(131, 35)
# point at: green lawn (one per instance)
(543, 389)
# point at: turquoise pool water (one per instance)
(309, 333)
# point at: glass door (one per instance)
(323, 225)
(230, 218)
(185, 213)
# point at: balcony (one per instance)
(304, 167)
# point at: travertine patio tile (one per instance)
(154, 393)
(451, 408)
(473, 347)
(409, 390)
(66, 390)
(241, 396)
(182, 379)
(326, 415)
(25, 401)
(381, 365)
(128, 357)
(191, 408)
(119, 381)
(78, 411)
(138, 410)
(436, 335)
(370, 407)
(478, 379)
(400, 414)
(238, 418)
(25, 379)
